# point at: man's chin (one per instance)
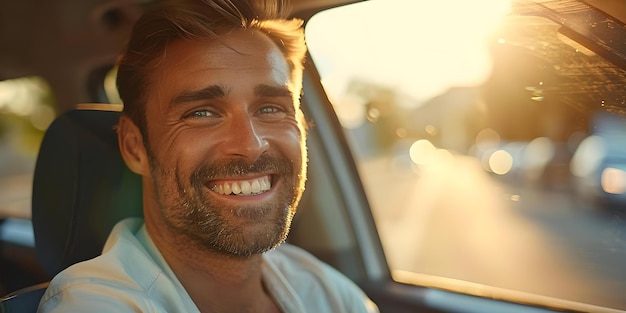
(242, 237)
(246, 246)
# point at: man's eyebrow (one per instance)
(210, 92)
(263, 90)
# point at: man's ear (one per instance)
(131, 145)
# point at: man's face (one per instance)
(225, 143)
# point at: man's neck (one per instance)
(215, 282)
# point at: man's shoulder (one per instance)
(125, 267)
(317, 283)
(123, 264)
(303, 268)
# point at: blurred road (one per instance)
(465, 224)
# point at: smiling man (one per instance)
(212, 123)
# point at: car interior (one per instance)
(81, 187)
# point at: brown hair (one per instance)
(171, 20)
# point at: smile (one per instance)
(244, 187)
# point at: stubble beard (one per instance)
(207, 224)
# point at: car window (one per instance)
(490, 142)
(26, 110)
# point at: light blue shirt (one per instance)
(131, 275)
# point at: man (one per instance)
(212, 123)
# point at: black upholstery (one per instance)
(81, 188)
(24, 300)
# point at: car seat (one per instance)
(81, 188)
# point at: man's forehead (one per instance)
(233, 49)
(192, 65)
(238, 51)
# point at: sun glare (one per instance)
(422, 48)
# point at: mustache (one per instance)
(265, 164)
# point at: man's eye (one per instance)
(201, 113)
(269, 110)
(272, 113)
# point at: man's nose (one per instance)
(246, 139)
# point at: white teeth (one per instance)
(255, 187)
(245, 188)
(248, 187)
(236, 189)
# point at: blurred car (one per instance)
(600, 162)
(396, 96)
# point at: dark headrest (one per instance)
(81, 188)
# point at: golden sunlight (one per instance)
(436, 45)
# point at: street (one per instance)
(466, 224)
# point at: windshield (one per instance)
(490, 141)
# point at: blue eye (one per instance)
(272, 113)
(201, 113)
(269, 110)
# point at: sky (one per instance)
(421, 47)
